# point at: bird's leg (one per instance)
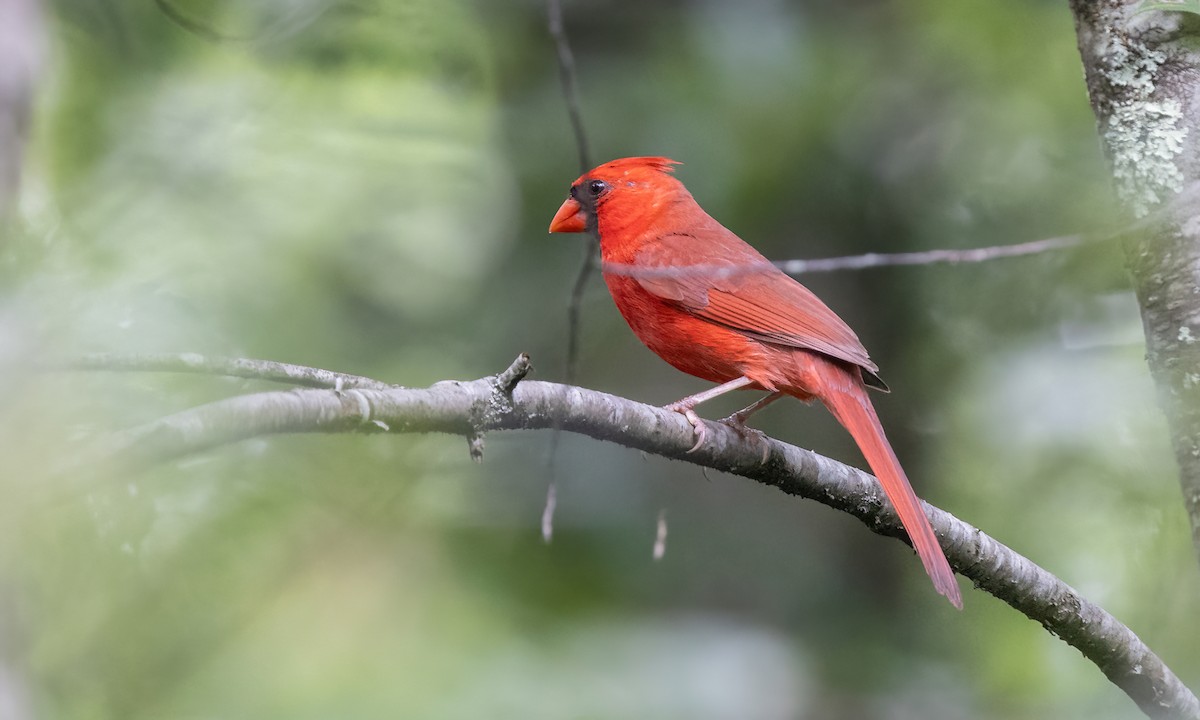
(737, 421)
(685, 407)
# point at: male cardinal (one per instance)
(714, 307)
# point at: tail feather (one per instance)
(847, 399)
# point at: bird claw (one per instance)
(737, 423)
(698, 427)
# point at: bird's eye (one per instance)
(595, 187)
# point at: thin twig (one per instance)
(931, 257)
(566, 76)
(507, 381)
(232, 367)
(575, 308)
(570, 92)
(660, 536)
(717, 271)
(452, 407)
(548, 509)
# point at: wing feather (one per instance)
(732, 284)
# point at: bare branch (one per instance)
(548, 512)
(854, 262)
(469, 408)
(660, 536)
(566, 76)
(575, 307)
(232, 367)
(932, 257)
(570, 91)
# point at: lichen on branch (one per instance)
(1142, 125)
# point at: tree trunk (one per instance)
(1142, 70)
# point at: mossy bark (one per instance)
(1143, 77)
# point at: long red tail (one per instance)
(846, 398)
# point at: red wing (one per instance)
(734, 285)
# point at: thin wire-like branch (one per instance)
(570, 93)
(232, 367)
(931, 257)
(471, 408)
(660, 536)
(551, 504)
(721, 271)
(566, 76)
(575, 308)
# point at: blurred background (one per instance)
(365, 186)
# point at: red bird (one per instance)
(714, 307)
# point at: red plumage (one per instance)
(714, 307)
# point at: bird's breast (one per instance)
(695, 346)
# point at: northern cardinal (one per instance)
(714, 307)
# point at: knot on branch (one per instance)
(507, 381)
(488, 413)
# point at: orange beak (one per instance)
(570, 218)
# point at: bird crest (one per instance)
(661, 164)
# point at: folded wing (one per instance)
(716, 276)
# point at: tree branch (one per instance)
(233, 367)
(570, 93)
(566, 76)
(472, 408)
(857, 262)
(932, 257)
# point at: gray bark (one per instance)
(1142, 70)
(506, 402)
(232, 367)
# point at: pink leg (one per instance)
(739, 418)
(685, 406)
(737, 421)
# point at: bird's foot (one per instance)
(698, 427)
(737, 422)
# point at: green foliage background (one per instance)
(364, 186)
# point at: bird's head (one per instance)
(618, 197)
